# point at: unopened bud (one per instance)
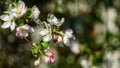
(59, 40)
(55, 36)
(37, 62)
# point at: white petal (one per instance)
(12, 26)
(21, 5)
(43, 31)
(26, 27)
(4, 17)
(47, 38)
(5, 25)
(23, 11)
(53, 19)
(18, 29)
(14, 9)
(36, 20)
(35, 12)
(31, 29)
(66, 41)
(11, 6)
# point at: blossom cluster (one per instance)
(16, 17)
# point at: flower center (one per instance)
(47, 31)
(23, 30)
(18, 11)
(9, 20)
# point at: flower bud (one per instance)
(55, 36)
(59, 40)
(37, 62)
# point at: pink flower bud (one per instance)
(50, 57)
(55, 36)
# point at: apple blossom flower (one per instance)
(54, 21)
(68, 36)
(8, 21)
(46, 32)
(19, 10)
(22, 31)
(50, 57)
(35, 14)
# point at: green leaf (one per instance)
(44, 43)
(16, 1)
(34, 50)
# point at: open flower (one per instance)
(22, 31)
(54, 21)
(46, 32)
(8, 21)
(68, 36)
(35, 14)
(19, 10)
(50, 57)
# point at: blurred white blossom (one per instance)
(68, 35)
(35, 14)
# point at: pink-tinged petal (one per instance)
(69, 31)
(5, 25)
(21, 5)
(52, 60)
(47, 59)
(35, 12)
(23, 11)
(12, 26)
(53, 19)
(26, 26)
(18, 29)
(50, 53)
(25, 34)
(4, 17)
(18, 34)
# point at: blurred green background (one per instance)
(96, 26)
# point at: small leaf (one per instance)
(44, 43)
(34, 50)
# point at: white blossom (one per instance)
(46, 32)
(22, 31)
(19, 10)
(54, 21)
(8, 21)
